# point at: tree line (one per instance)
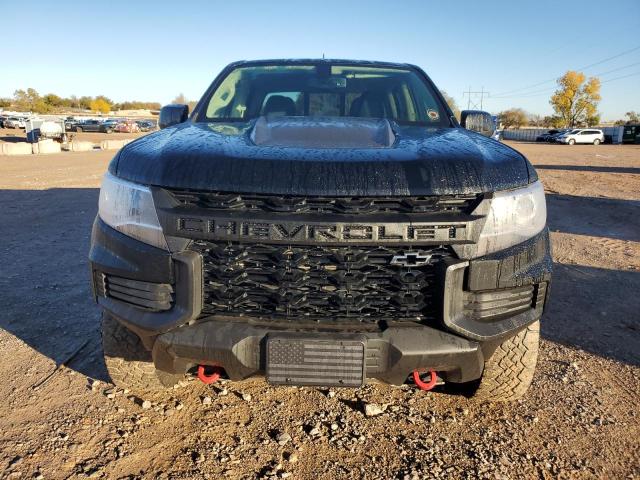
(30, 100)
(575, 103)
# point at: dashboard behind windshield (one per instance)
(325, 90)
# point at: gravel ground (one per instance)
(580, 419)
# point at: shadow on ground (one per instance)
(46, 300)
(598, 217)
(45, 293)
(589, 168)
(596, 310)
(13, 139)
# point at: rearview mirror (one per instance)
(173, 114)
(478, 121)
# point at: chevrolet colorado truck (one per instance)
(322, 223)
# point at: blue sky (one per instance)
(153, 50)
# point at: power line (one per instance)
(610, 58)
(471, 95)
(619, 78)
(537, 93)
(580, 68)
(616, 69)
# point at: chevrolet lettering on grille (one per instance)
(318, 232)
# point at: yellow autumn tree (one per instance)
(576, 99)
(100, 105)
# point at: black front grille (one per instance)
(320, 283)
(235, 202)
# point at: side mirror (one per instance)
(478, 121)
(173, 114)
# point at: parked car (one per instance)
(308, 225)
(94, 126)
(545, 136)
(582, 135)
(552, 138)
(146, 125)
(70, 123)
(15, 122)
(127, 127)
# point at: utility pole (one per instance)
(473, 96)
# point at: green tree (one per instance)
(27, 100)
(632, 118)
(513, 117)
(576, 99)
(53, 100)
(180, 100)
(452, 104)
(535, 119)
(552, 121)
(135, 105)
(5, 102)
(85, 102)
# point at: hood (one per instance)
(408, 161)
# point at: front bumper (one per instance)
(477, 312)
(390, 355)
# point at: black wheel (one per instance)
(129, 364)
(509, 371)
(596, 141)
(78, 129)
(109, 130)
(571, 141)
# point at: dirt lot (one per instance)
(580, 419)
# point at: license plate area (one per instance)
(315, 361)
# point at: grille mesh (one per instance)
(348, 205)
(316, 282)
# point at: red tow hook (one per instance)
(425, 385)
(208, 378)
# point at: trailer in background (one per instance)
(37, 129)
(631, 134)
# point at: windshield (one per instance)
(325, 90)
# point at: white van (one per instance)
(582, 135)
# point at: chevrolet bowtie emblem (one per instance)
(411, 259)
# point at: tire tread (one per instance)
(129, 364)
(509, 371)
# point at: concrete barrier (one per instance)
(79, 146)
(17, 148)
(114, 144)
(46, 146)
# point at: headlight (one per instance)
(514, 216)
(128, 207)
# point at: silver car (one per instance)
(582, 135)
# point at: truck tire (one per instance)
(129, 364)
(509, 371)
(79, 129)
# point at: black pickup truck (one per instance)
(322, 222)
(93, 126)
